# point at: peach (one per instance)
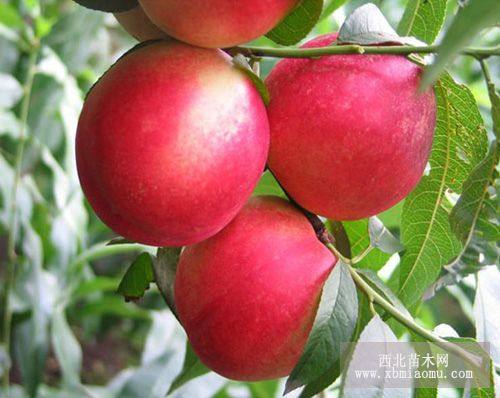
(247, 297)
(217, 23)
(170, 143)
(350, 134)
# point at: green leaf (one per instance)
(474, 222)
(469, 208)
(423, 19)
(473, 17)
(109, 5)
(9, 16)
(191, 369)
(330, 7)
(136, 280)
(263, 389)
(268, 186)
(241, 63)
(322, 382)
(298, 23)
(460, 143)
(359, 238)
(334, 324)
(426, 392)
(164, 268)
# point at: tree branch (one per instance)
(292, 52)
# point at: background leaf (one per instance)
(486, 312)
(67, 348)
(330, 6)
(191, 369)
(298, 23)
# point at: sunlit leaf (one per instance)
(359, 239)
(423, 19)
(473, 16)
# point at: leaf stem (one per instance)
(293, 52)
(13, 216)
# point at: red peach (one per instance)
(170, 143)
(248, 296)
(217, 23)
(350, 134)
